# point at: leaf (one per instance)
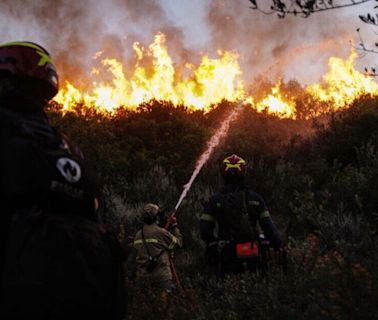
(363, 18)
(254, 4)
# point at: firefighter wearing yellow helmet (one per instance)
(56, 261)
(151, 248)
(233, 222)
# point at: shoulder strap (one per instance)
(254, 222)
(145, 243)
(245, 202)
(146, 246)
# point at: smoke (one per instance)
(211, 145)
(74, 31)
(292, 47)
(60, 26)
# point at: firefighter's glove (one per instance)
(173, 223)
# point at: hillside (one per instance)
(318, 176)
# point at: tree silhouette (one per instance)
(305, 8)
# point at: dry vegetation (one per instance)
(319, 178)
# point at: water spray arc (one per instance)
(211, 145)
(213, 142)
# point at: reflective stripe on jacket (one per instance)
(159, 242)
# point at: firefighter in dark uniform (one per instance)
(57, 262)
(234, 221)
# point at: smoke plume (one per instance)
(74, 31)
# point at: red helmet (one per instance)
(234, 166)
(29, 61)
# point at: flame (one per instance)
(343, 84)
(154, 76)
(211, 82)
(274, 103)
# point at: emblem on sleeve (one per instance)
(69, 169)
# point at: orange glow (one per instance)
(343, 84)
(211, 82)
(154, 76)
(274, 103)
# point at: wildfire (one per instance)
(343, 84)
(274, 103)
(208, 84)
(202, 86)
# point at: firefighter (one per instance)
(57, 262)
(233, 222)
(151, 249)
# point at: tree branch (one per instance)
(372, 72)
(304, 8)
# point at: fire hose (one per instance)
(212, 143)
(172, 265)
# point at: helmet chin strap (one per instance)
(6, 85)
(233, 179)
(21, 94)
(15, 100)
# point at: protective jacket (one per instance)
(57, 262)
(157, 243)
(234, 216)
